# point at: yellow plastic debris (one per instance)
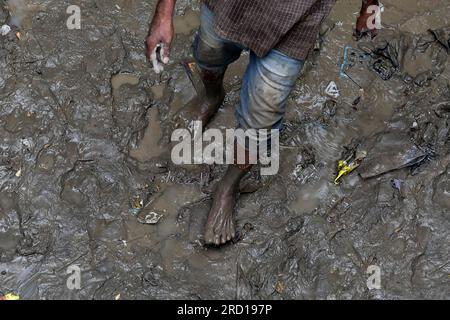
(11, 297)
(138, 203)
(344, 167)
(191, 66)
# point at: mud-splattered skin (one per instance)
(82, 153)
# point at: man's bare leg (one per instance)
(220, 227)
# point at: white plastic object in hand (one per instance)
(157, 58)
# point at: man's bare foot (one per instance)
(220, 227)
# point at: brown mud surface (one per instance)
(83, 126)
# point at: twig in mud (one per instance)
(60, 106)
(72, 261)
(167, 177)
(46, 146)
(102, 285)
(440, 268)
(334, 206)
(352, 80)
(335, 234)
(289, 147)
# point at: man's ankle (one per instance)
(215, 94)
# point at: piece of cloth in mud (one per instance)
(419, 58)
(290, 26)
(389, 151)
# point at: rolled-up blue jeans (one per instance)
(267, 81)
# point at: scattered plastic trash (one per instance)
(345, 62)
(279, 287)
(351, 57)
(10, 297)
(136, 206)
(396, 184)
(332, 90)
(19, 35)
(384, 68)
(442, 109)
(117, 297)
(134, 211)
(396, 52)
(347, 166)
(150, 218)
(390, 151)
(19, 173)
(5, 29)
(356, 101)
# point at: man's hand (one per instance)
(160, 35)
(366, 20)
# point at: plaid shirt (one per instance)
(290, 26)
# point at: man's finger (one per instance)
(165, 53)
(150, 46)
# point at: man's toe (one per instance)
(232, 231)
(224, 238)
(209, 236)
(217, 240)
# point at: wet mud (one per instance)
(84, 178)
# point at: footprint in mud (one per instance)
(196, 216)
(9, 242)
(46, 162)
(121, 79)
(150, 146)
(25, 123)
